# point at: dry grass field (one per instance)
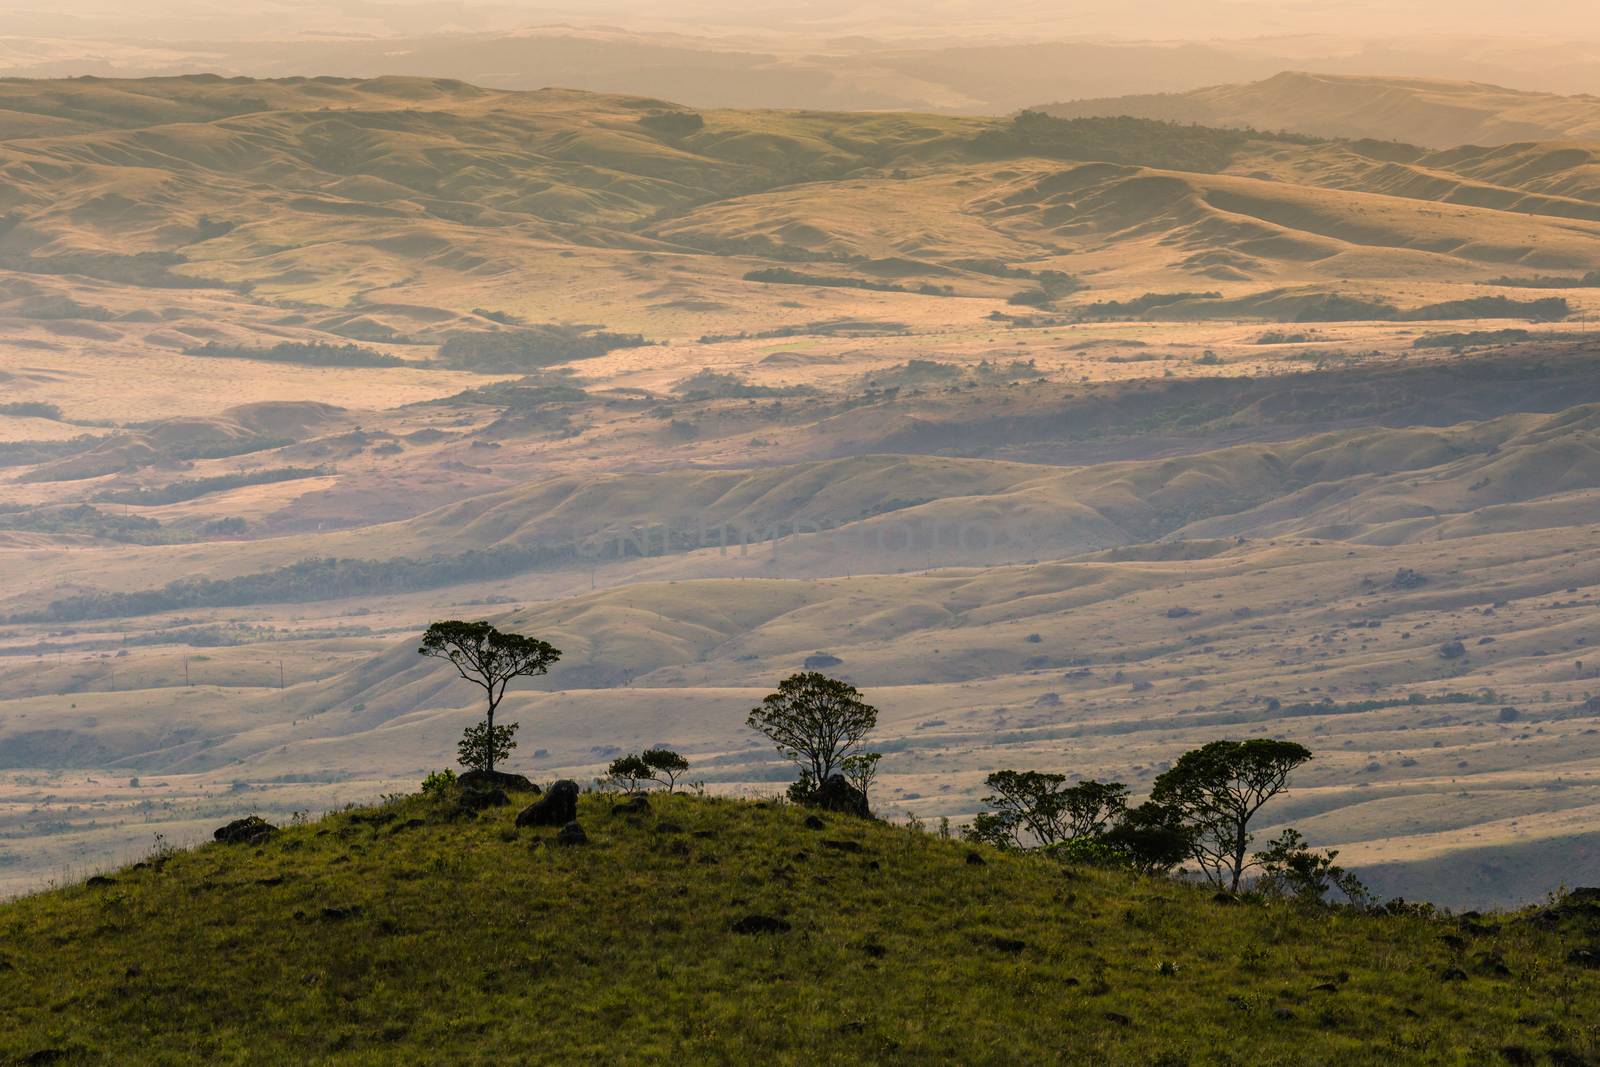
(1075, 448)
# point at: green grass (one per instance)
(473, 942)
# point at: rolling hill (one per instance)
(726, 929)
(1074, 441)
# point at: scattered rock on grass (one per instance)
(760, 924)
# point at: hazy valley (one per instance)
(1073, 442)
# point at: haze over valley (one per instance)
(1078, 418)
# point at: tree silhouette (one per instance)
(488, 658)
(816, 721)
(1217, 789)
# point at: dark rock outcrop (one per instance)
(480, 799)
(250, 830)
(491, 780)
(557, 807)
(837, 794)
(572, 834)
(637, 804)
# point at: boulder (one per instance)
(556, 808)
(637, 804)
(572, 834)
(479, 799)
(250, 830)
(837, 794)
(760, 924)
(491, 780)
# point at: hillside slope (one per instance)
(409, 933)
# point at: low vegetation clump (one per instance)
(713, 385)
(527, 393)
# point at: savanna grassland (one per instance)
(725, 931)
(1073, 442)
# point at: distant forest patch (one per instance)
(1282, 305)
(785, 276)
(1136, 142)
(1473, 337)
(191, 488)
(306, 353)
(531, 347)
(1590, 280)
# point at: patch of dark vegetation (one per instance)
(57, 307)
(307, 580)
(1053, 282)
(32, 409)
(1546, 309)
(85, 520)
(527, 393)
(823, 328)
(673, 124)
(1140, 305)
(1473, 337)
(28, 453)
(192, 488)
(711, 385)
(305, 353)
(149, 270)
(530, 347)
(1131, 420)
(785, 276)
(1137, 142)
(1590, 280)
(1288, 305)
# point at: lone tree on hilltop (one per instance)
(1218, 789)
(816, 721)
(489, 658)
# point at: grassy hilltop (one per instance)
(411, 933)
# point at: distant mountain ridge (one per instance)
(1422, 111)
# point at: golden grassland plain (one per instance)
(1036, 533)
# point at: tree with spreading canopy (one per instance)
(1217, 789)
(491, 659)
(1035, 809)
(816, 721)
(665, 766)
(659, 765)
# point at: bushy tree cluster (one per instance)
(1198, 812)
(659, 765)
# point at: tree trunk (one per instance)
(488, 743)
